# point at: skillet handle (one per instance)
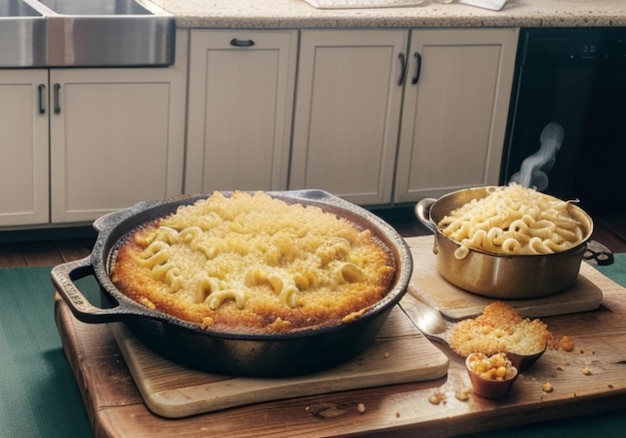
(422, 211)
(63, 277)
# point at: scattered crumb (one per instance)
(566, 343)
(586, 371)
(560, 368)
(581, 351)
(547, 387)
(610, 386)
(386, 355)
(437, 397)
(360, 408)
(463, 395)
(397, 414)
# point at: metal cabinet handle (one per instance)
(418, 67)
(402, 59)
(57, 102)
(241, 43)
(41, 89)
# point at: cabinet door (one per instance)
(23, 147)
(454, 118)
(347, 112)
(117, 137)
(241, 86)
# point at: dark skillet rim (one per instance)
(114, 226)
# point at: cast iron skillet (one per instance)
(269, 355)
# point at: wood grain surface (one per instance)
(117, 408)
(399, 354)
(455, 303)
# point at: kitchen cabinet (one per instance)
(241, 87)
(116, 137)
(454, 116)
(366, 132)
(347, 112)
(78, 143)
(23, 148)
(260, 110)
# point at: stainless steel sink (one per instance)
(96, 7)
(85, 33)
(108, 33)
(17, 8)
(23, 35)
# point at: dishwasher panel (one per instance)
(575, 77)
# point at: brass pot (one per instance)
(499, 275)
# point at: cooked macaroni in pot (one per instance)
(513, 220)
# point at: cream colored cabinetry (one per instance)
(79, 143)
(23, 147)
(116, 137)
(454, 116)
(366, 132)
(347, 112)
(241, 86)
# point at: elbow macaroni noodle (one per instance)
(160, 258)
(513, 220)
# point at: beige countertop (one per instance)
(276, 14)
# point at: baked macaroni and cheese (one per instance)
(500, 329)
(513, 220)
(250, 263)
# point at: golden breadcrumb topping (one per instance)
(251, 263)
(499, 329)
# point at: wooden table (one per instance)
(116, 408)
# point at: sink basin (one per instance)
(17, 8)
(96, 7)
(85, 33)
(25, 28)
(108, 33)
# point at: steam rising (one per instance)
(534, 167)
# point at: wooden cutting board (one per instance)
(116, 408)
(399, 354)
(455, 303)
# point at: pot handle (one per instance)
(63, 277)
(422, 211)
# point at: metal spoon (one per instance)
(434, 326)
(427, 319)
